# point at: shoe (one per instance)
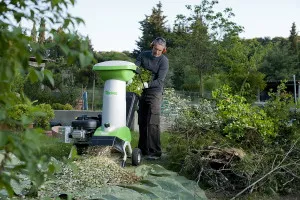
(157, 154)
(152, 157)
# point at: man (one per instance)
(151, 97)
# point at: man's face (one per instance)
(157, 50)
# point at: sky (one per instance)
(113, 25)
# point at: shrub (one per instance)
(255, 149)
(191, 122)
(21, 114)
(68, 94)
(54, 147)
(281, 110)
(197, 119)
(42, 115)
(241, 118)
(59, 106)
(18, 113)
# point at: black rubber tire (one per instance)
(136, 157)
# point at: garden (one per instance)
(220, 144)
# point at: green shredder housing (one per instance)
(118, 70)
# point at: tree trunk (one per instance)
(201, 85)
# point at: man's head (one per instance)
(159, 46)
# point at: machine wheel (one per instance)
(136, 156)
(123, 163)
(81, 148)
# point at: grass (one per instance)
(164, 137)
(51, 146)
(54, 147)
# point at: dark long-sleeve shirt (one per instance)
(158, 66)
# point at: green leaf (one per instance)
(8, 188)
(66, 23)
(48, 74)
(51, 168)
(33, 77)
(3, 139)
(64, 48)
(82, 59)
(2, 114)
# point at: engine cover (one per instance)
(88, 124)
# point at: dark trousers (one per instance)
(149, 123)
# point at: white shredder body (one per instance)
(114, 105)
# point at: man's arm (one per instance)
(161, 75)
(139, 60)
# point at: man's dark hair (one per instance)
(160, 41)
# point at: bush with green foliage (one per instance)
(243, 156)
(18, 114)
(190, 122)
(43, 115)
(282, 111)
(68, 94)
(173, 103)
(197, 118)
(240, 118)
(59, 106)
(55, 147)
(16, 49)
(40, 115)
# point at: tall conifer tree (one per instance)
(42, 28)
(33, 33)
(293, 39)
(152, 26)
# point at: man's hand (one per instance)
(145, 84)
(129, 82)
(137, 70)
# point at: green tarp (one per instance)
(157, 183)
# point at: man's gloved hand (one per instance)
(137, 70)
(129, 82)
(145, 84)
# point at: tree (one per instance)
(112, 55)
(195, 38)
(152, 26)
(42, 31)
(294, 48)
(218, 24)
(16, 49)
(200, 51)
(238, 62)
(264, 41)
(293, 39)
(279, 64)
(33, 32)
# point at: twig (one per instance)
(279, 166)
(288, 181)
(199, 175)
(291, 173)
(274, 161)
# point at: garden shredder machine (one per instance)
(111, 128)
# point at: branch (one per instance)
(279, 166)
(291, 173)
(199, 175)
